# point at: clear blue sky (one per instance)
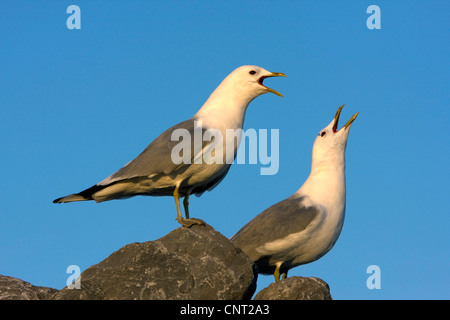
(76, 105)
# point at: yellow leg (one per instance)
(176, 196)
(188, 222)
(276, 273)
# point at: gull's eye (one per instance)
(322, 134)
(252, 72)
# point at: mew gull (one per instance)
(305, 226)
(154, 173)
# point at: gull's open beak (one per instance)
(336, 119)
(273, 74)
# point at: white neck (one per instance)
(325, 185)
(225, 108)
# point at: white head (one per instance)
(226, 106)
(246, 82)
(329, 146)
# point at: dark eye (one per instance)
(322, 134)
(252, 72)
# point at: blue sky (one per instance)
(76, 105)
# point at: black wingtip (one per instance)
(87, 194)
(82, 196)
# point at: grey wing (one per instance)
(157, 157)
(276, 222)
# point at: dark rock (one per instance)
(188, 263)
(296, 288)
(16, 289)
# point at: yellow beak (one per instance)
(349, 122)
(273, 74)
(336, 119)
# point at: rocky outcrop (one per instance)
(16, 289)
(196, 263)
(188, 263)
(296, 288)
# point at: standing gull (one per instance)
(154, 173)
(305, 226)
